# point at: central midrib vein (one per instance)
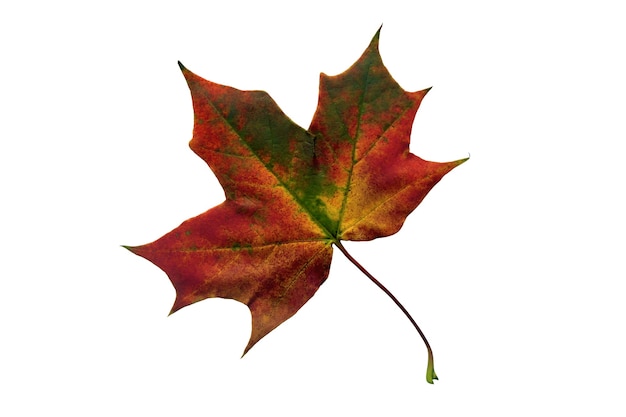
(353, 156)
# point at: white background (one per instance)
(513, 265)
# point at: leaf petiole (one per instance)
(430, 369)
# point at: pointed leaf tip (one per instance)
(375, 39)
(460, 161)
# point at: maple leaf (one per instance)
(293, 194)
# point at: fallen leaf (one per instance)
(293, 194)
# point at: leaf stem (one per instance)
(430, 369)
